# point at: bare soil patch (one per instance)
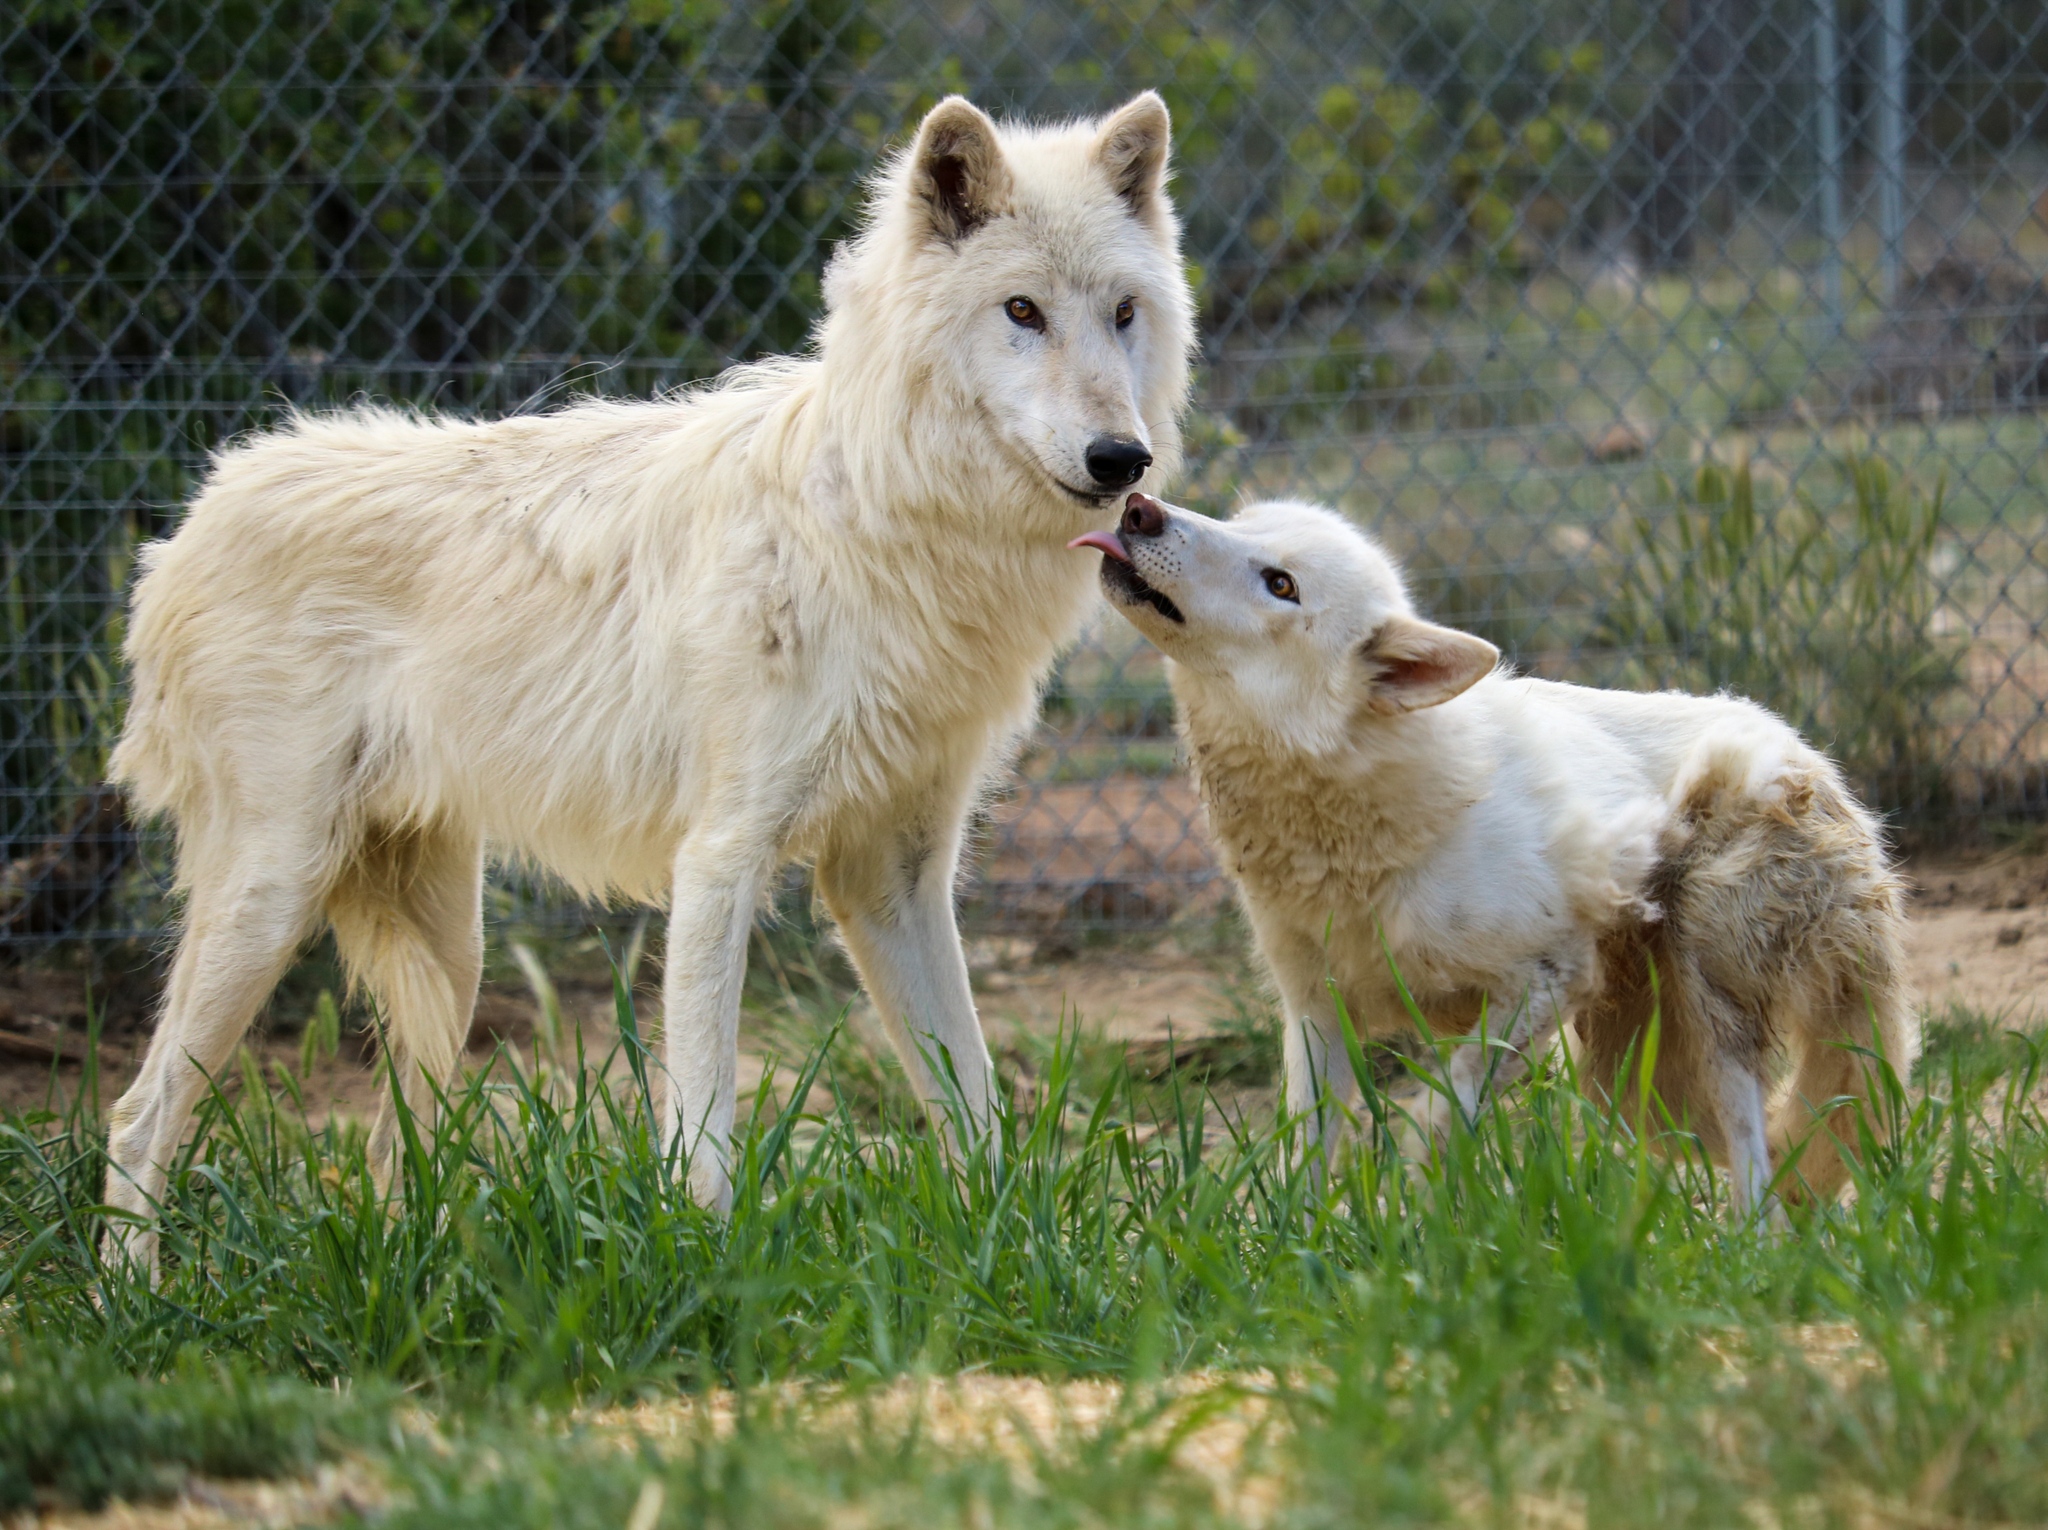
(1131, 995)
(1213, 1423)
(1980, 934)
(344, 1488)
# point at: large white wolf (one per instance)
(663, 647)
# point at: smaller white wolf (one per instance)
(662, 648)
(1520, 852)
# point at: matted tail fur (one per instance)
(1778, 955)
(1843, 1076)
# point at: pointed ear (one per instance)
(1415, 664)
(1132, 149)
(958, 177)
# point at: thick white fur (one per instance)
(660, 648)
(1530, 846)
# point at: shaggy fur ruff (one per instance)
(661, 648)
(1388, 801)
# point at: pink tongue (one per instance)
(1104, 542)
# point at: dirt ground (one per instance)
(1979, 941)
(1980, 934)
(1215, 1427)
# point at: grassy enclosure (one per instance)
(1661, 349)
(1140, 1308)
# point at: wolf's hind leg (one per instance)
(408, 918)
(1738, 1096)
(1712, 1066)
(250, 903)
(1519, 1025)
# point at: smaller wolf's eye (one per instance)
(1125, 312)
(1280, 584)
(1025, 312)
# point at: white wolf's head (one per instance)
(1023, 285)
(1287, 622)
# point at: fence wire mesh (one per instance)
(1702, 342)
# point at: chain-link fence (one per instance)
(1698, 343)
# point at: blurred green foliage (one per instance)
(1825, 610)
(77, 1427)
(1386, 175)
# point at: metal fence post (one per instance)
(1891, 145)
(1827, 130)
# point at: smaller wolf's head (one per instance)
(1288, 622)
(1025, 283)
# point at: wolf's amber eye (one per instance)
(1025, 312)
(1280, 584)
(1125, 312)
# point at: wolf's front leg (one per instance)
(1320, 1084)
(719, 879)
(891, 893)
(1520, 1021)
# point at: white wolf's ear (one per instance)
(958, 176)
(1132, 149)
(1416, 664)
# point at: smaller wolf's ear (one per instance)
(1416, 664)
(1132, 149)
(958, 177)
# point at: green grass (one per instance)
(1549, 1313)
(78, 1427)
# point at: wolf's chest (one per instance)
(918, 687)
(1301, 846)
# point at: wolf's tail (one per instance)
(148, 762)
(1786, 893)
(1847, 1071)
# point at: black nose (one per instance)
(1144, 516)
(1114, 461)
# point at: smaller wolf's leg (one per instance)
(892, 897)
(1723, 1087)
(1739, 1101)
(1518, 1026)
(719, 880)
(1320, 1083)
